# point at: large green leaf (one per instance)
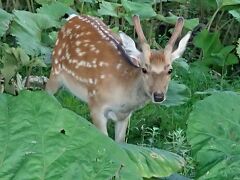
(235, 14)
(215, 4)
(225, 3)
(148, 160)
(5, 19)
(41, 140)
(66, 2)
(214, 53)
(177, 94)
(109, 9)
(190, 24)
(213, 132)
(144, 10)
(54, 143)
(159, 1)
(55, 10)
(204, 4)
(149, 1)
(208, 42)
(28, 28)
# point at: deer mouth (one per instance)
(158, 98)
(158, 101)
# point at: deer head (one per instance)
(156, 65)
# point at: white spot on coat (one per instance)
(118, 66)
(90, 80)
(78, 51)
(101, 64)
(81, 63)
(78, 43)
(59, 51)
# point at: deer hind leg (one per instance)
(121, 128)
(52, 84)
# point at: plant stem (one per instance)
(225, 24)
(19, 4)
(227, 32)
(201, 10)
(150, 32)
(82, 7)
(14, 3)
(161, 6)
(219, 19)
(128, 130)
(32, 5)
(29, 5)
(238, 31)
(222, 77)
(116, 22)
(155, 6)
(7, 4)
(213, 17)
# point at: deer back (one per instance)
(88, 51)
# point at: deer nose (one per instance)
(158, 97)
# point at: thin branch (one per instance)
(213, 17)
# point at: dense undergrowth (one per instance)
(199, 122)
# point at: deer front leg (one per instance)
(121, 128)
(98, 118)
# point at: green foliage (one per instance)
(214, 53)
(144, 10)
(35, 26)
(148, 160)
(235, 14)
(55, 143)
(109, 9)
(35, 35)
(27, 26)
(176, 142)
(213, 132)
(14, 59)
(65, 2)
(130, 8)
(205, 4)
(226, 3)
(5, 19)
(189, 24)
(177, 94)
(55, 11)
(217, 6)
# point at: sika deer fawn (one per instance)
(108, 72)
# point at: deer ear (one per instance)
(181, 47)
(130, 48)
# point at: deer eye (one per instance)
(144, 70)
(170, 71)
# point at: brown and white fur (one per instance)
(108, 72)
